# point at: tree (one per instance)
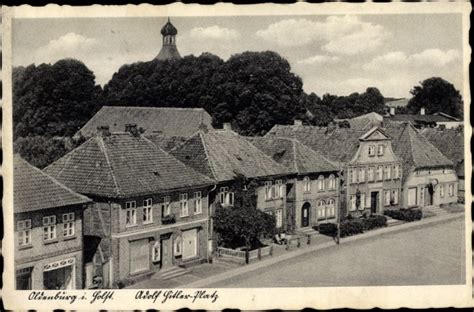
(53, 100)
(436, 95)
(242, 224)
(40, 151)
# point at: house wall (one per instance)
(40, 253)
(314, 196)
(419, 179)
(106, 214)
(449, 124)
(271, 205)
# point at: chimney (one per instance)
(103, 131)
(132, 129)
(227, 126)
(392, 111)
(203, 127)
(422, 111)
(298, 122)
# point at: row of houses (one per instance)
(136, 201)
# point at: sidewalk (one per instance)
(283, 256)
(206, 274)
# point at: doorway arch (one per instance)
(305, 214)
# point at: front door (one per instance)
(305, 215)
(428, 197)
(190, 244)
(374, 199)
(166, 252)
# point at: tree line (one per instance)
(251, 90)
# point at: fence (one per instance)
(240, 255)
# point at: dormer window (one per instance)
(371, 150)
(380, 150)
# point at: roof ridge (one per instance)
(201, 109)
(56, 181)
(104, 150)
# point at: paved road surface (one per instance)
(432, 255)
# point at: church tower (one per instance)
(168, 50)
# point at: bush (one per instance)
(352, 226)
(408, 215)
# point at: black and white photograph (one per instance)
(219, 152)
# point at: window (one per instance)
(49, 228)
(379, 173)
(183, 205)
(321, 183)
(354, 175)
(451, 190)
(361, 174)
(386, 197)
(332, 182)
(226, 197)
(352, 205)
(166, 206)
(197, 202)
(147, 211)
(395, 171)
(279, 218)
(24, 232)
(330, 209)
(370, 174)
(178, 246)
(279, 190)
(68, 225)
(362, 201)
(380, 150)
(156, 252)
(387, 172)
(268, 190)
(131, 213)
(422, 196)
(321, 209)
(395, 197)
(306, 184)
(412, 196)
(441, 190)
(371, 150)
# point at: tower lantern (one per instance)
(168, 50)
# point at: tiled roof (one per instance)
(169, 121)
(123, 165)
(166, 143)
(338, 145)
(365, 122)
(224, 155)
(35, 190)
(397, 103)
(450, 142)
(421, 118)
(413, 148)
(293, 154)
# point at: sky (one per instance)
(337, 54)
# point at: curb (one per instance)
(271, 261)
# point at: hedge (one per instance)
(353, 226)
(408, 215)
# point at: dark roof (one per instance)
(164, 142)
(338, 145)
(169, 121)
(168, 29)
(417, 118)
(123, 165)
(413, 148)
(34, 190)
(450, 142)
(293, 154)
(224, 155)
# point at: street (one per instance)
(430, 255)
